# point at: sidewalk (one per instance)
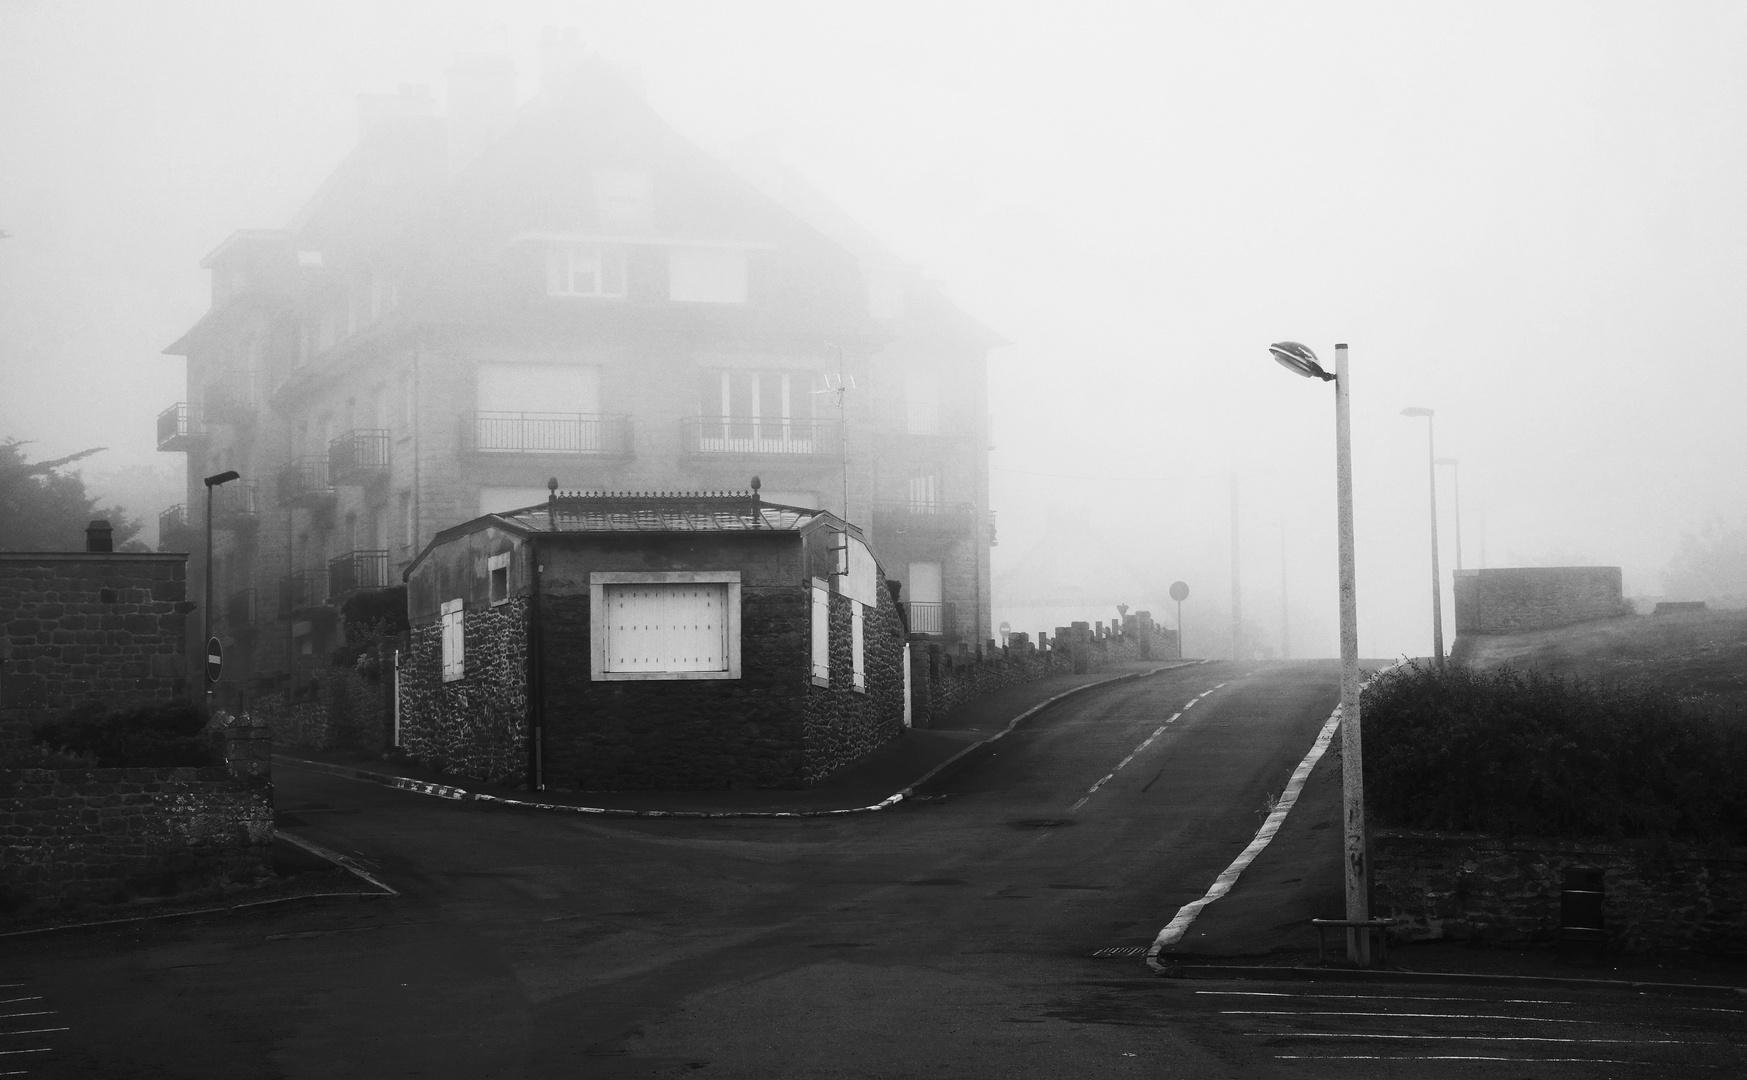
(882, 778)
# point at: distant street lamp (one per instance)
(1456, 491)
(1299, 360)
(1437, 583)
(206, 597)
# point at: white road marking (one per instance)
(1144, 743)
(335, 857)
(1388, 997)
(14, 1016)
(31, 1031)
(1462, 1057)
(32, 1050)
(1461, 1038)
(1408, 1016)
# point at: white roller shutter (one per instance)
(663, 627)
(539, 388)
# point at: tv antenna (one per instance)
(840, 385)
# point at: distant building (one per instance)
(1516, 600)
(613, 642)
(473, 304)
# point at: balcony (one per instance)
(235, 507)
(712, 435)
(356, 571)
(546, 433)
(303, 593)
(358, 456)
(931, 618)
(174, 533)
(178, 427)
(240, 612)
(933, 518)
(304, 482)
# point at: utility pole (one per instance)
(1237, 611)
(1285, 604)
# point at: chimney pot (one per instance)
(99, 536)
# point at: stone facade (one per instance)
(1473, 887)
(339, 709)
(84, 836)
(77, 627)
(477, 725)
(1514, 600)
(842, 723)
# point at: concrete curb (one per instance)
(458, 794)
(1374, 975)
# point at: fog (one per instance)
(1529, 218)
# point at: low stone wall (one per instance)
(88, 836)
(1517, 599)
(1471, 887)
(942, 681)
(344, 711)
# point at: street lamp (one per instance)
(1437, 584)
(1456, 485)
(206, 597)
(1299, 360)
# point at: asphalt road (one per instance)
(948, 937)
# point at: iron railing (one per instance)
(744, 435)
(177, 427)
(235, 506)
(302, 591)
(304, 482)
(942, 516)
(173, 531)
(933, 618)
(355, 571)
(358, 454)
(547, 433)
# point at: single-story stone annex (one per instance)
(622, 642)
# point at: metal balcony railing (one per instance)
(173, 531)
(177, 428)
(240, 611)
(745, 436)
(915, 514)
(235, 506)
(547, 433)
(357, 570)
(301, 592)
(933, 618)
(357, 455)
(304, 482)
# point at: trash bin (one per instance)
(1582, 933)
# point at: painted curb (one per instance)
(457, 794)
(1374, 975)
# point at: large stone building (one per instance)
(567, 289)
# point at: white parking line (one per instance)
(1408, 1016)
(1388, 997)
(14, 1016)
(31, 1031)
(1275, 1034)
(1466, 1057)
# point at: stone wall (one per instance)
(83, 836)
(941, 680)
(336, 709)
(77, 627)
(476, 726)
(1514, 600)
(1464, 886)
(842, 724)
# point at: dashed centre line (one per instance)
(1146, 742)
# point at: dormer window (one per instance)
(586, 270)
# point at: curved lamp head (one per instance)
(222, 478)
(1298, 359)
(1415, 410)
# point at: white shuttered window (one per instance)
(858, 646)
(665, 625)
(454, 641)
(821, 633)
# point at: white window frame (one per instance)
(454, 613)
(858, 646)
(495, 565)
(565, 261)
(821, 631)
(597, 621)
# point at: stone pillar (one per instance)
(248, 745)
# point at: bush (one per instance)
(1526, 753)
(166, 734)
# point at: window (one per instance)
(664, 625)
(821, 633)
(921, 402)
(923, 490)
(707, 275)
(586, 270)
(765, 412)
(857, 647)
(499, 568)
(454, 641)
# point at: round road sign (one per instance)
(1179, 591)
(214, 659)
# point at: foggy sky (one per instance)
(1528, 217)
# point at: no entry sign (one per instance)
(214, 659)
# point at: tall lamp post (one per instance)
(1456, 493)
(1299, 360)
(1437, 584)
(206, 597)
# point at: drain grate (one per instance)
(1120, 952)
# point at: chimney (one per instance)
(99, 536)
(482, 104)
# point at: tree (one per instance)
(42, 509)
(1710, 565)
